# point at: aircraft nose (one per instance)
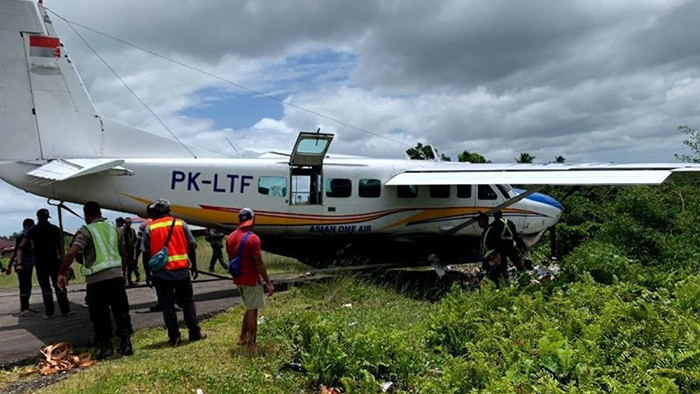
(555, 207)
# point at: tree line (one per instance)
(428, 152)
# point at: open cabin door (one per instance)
(306, 168)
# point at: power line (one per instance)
(236, 84)
(126, 85)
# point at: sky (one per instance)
(591, 80)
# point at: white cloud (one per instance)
(590, 80)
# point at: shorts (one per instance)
(253, 296)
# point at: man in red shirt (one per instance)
(253, 271)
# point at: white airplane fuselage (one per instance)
(209, 192)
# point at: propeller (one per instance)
(450, 230)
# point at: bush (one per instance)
(334, 351)
(602, 261)
(584, 337)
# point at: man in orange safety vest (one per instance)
(172, 281)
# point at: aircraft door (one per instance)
(306, 169)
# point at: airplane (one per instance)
(311, 205)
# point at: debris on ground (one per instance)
(328, 390)
(347, 305)
(386, 386)
(544, 273)
(58, 358)
(293, 366)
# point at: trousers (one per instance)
(180, 291)
(132, 268)
(103, 297)
(217, 254)
(47, 275)
(25, 286)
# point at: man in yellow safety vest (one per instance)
(104, 270)
(492, 264)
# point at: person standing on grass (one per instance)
(47, 243)
(172, 281)
(24, 269)
(104, 268)
(253, 272)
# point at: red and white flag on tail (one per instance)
(44, 47)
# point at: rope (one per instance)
(58, 358)
(230, 82)
(126, 85)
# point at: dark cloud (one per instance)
(212, 30)
(586, 76)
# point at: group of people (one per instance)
(500, 242)
(39, 246)
(108, 255)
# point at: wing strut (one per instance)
(454, 229)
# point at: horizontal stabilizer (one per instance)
(63, 169)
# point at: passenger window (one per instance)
(407, 191)
(486, 192)
(464, 191)
(275, 186)
(337, 187)
(439, 191)
(371, 188)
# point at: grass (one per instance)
(568, 337)
(218, 365)
(276, 264)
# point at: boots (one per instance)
(125, 348)
(105, 352)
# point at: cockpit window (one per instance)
(505, 190)
(486, 192)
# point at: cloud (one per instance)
(595, 80)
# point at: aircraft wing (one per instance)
(64, 169)
(543, 174)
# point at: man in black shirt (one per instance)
(216, 240)
(45, 239)
(24, 269)
(511, 244)
(128, 237)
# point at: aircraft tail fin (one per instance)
(45, 110)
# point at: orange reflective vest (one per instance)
(177, 247)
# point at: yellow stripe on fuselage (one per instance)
(275, 219)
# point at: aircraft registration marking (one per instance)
(219, 183)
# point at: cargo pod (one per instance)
(306, 168)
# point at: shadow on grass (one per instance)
(421, 284)
(161, 345)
